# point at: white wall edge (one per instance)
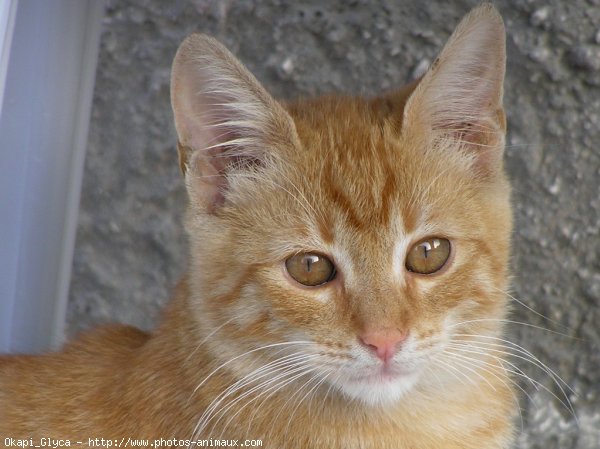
(44, 120)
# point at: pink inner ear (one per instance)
(220, 149)
(208, 134)
(460, 97)
(205, 121)
(208, 182)
(225, 119)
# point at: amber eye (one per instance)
(310, 269)
(428, 256)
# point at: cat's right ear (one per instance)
(225, 119)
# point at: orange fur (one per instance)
(357, 179)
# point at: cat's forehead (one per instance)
(353, 153)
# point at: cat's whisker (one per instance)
(303, 201)
(257, 177)
(325, 378)
(525, 355)
(271, 390)
(537, 385)
(286, 364)
(485, 353)
(205, 339)
(332, 385)
(262, 371)
(479, 375)
(304, 204)
(320, 379)
(454, 371)
(520, 323)
(254, 414)
(529, 358)
(457, 190)
(236, 142)
(482, 146)
(476, 363)
(267, 387)
(490, 367)
(279, 381)
(214, 412)
(530, 309)
(292, 380)
(314, 375)
(437, 378)
(257, 408)
(325, 397)
(261, 348)
(493, 369)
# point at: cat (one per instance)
(348, 258)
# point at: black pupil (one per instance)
(426, 249)
(309, 260)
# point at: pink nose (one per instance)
(383, 343)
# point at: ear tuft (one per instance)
(460, 96)
(223, 116)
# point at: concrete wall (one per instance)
(130, 246)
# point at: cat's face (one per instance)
(345, 244)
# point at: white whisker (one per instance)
(476, 364)
(526, 355)
(520, 323)
(279, 381)
(530, 309)
(288, 364)
(262, 348)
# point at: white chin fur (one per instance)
(379, 393)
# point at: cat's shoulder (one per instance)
(86, 372)
(116, 338)
(107, 341)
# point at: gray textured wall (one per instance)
(130, 246)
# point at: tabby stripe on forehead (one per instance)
(325, 227)
(388, 190)
(341, 199)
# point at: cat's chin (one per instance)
(378, 389)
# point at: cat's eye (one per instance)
(310, 269)
(428, 255)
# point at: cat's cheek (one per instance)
(249, 308)
(306, 309)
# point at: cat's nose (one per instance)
(383, 343)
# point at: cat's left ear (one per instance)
(225, 120)
(459, 99)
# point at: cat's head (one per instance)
(347, 240)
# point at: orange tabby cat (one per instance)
(346, 256)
